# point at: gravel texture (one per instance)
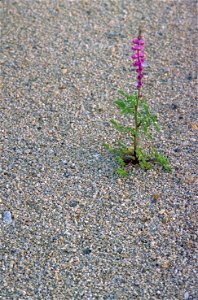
(70, 227)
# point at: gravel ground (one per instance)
(70, 227)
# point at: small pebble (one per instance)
(186, 295)
(86, 251)
(73, 203)
(7, 217)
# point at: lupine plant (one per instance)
(142, 124)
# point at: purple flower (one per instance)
(140, 76)
(139, 84)
(134, 48)
(135, 56)
(137, 63)
(141, 54)
(135, 41)
(139, 70)
(138, 41)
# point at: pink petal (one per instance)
(141, 54)
(139, 70)
(138, 48)
(135, 41)
(139, 85)
(137, 64)
(135, 56)
(141, 42)
(140, 76)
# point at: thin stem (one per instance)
(136, 126)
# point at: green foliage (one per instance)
(144, 121)
(127, 103)
(162, 160)
(143, 159)
(148, 119)
(120, 160)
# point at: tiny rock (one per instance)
(186, 295)
(64, 71)
(119, 182)
(7, 217)
(165, 265)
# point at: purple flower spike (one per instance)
(138, 58)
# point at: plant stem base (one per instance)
(129, 160)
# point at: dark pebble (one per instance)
(86, 251)
(112, 35)
(66, 174)
(174, 106)
(189, 77)
(73, 203)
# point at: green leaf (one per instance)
(131, 130)
(144, 128)
(120, 104)
(120, 161)
(149, 136)
(117, 126)
(154, 121)
(121, 172)
(109, 148)
(132, 100)
(145, 165)
(146, 108)
(106, 146)
(125, 109)
(162, 160)
(121, 92)
(153, 118)
(156, 127)
(123, 149)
